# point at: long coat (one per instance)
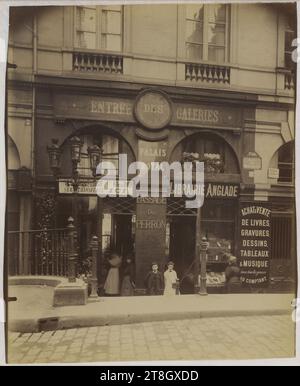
(232, 276)
(154, 283)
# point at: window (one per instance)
(205, 145)
(288, 48)
(286, 163)
(99, 27)
(207, 32)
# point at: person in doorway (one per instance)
(128, 277)
(154, 281)
(171, 280)
(232, 275)
(112, 282)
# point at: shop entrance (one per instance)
(182, 249)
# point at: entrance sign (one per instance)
(93, 107)
(153, 109)
(255, 240)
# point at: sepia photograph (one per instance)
(150, 210)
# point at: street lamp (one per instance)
(54, 154)
(95, 155)
(75, 145)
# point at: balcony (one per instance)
(289, 80)
(207, 73)
(97, 63)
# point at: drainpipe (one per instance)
(34, 72)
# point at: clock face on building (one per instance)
(153, 110)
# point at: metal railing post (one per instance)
(94, 279)
(72, 253)
(203, 256)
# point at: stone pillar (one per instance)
(150, 237)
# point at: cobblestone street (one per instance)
(251, 337)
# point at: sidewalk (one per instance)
(37, 313)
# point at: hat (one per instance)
(154, 263)
(170, 263)
(232, 259)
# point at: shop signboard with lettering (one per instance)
(254, 246)
(206, 115)
(93, 107)
(152, 109)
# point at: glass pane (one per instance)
(86, 19)
(217, 13)
(289, 36)
(220, 237)
(288, 62)
(216, 54)
(194, 51)
(111, 22)
(86, 39)
(111, 42)
(194, 32)
(216, 34)
(110, 144)
(216, 210)
(194, 11)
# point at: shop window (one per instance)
(207, 33)
(286, 163)
(208, 147)
(99, 27)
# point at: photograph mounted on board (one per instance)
(150, 211)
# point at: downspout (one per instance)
(34, 72)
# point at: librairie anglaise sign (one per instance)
(152, 110)
(255, 239)
(211, 190)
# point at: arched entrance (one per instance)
(218, 214)
(112, 218)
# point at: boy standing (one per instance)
(154, 281)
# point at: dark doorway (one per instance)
(182, 250)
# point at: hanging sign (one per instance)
(252, 161)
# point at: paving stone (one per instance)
(216, 338)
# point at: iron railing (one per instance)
(37, 252)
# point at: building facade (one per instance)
(159, 82)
